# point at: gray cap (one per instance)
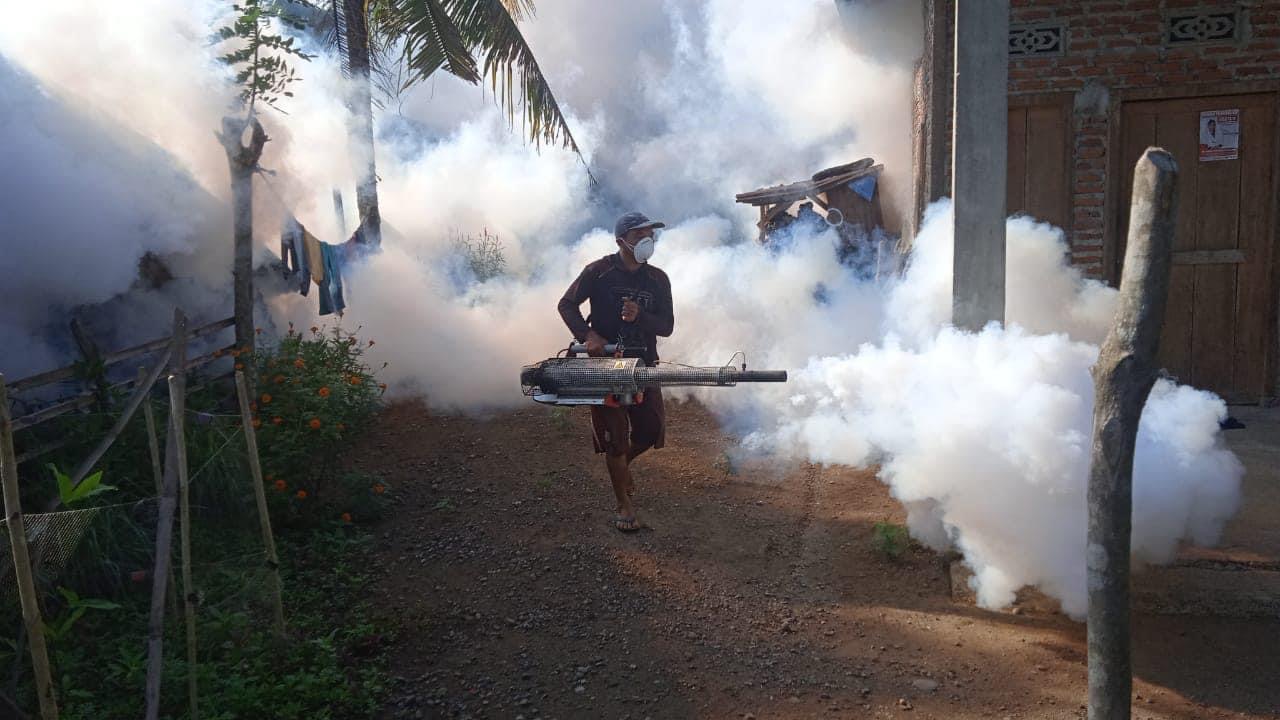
(634, 221)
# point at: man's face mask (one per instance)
(643, 249)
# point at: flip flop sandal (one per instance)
(626, 524)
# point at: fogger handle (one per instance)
(581, 348)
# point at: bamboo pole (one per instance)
(153, 443)
(260, 493)
(22, 563)
(164, 526)
(177, 408)
(1123, 376)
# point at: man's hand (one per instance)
(630, 310)
(595, 344)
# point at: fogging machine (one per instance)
(576, 379)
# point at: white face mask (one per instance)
(643, 249)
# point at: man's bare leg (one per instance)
(620, 477)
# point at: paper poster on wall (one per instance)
(1220, 135)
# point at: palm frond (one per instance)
(489, 27)
(431, 40)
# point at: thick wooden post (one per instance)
(260, 493)
(177, 410)
(164, 525)
(31, 619)
(243, 161)
(1123, 376)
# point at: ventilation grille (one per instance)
(1205, 27)
(1036, 40)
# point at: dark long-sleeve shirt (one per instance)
(606, 283)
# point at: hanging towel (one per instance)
(315, 258)
(331, 300)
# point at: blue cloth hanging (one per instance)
(865, 186)
(331, 300)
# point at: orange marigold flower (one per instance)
(281, 485)
(324, 391)
(301, 494)
(257, 422)
(277, 420)
(355, 379)
(346, 518)
(239, 366)
(298, 363)
(266, 398)
(314, 424)
(379, 488)
(278, 379)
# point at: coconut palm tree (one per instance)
(473, 40)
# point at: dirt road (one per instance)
(756, 592)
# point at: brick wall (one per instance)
(1114, 44)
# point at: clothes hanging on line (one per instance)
(293, 252)
(331, 300)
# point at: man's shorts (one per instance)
(630, 428)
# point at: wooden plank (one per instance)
(1047, 192)
(1209, 257)
(1015, 187)
(1175, 339)
(1256, 293)
(1179, 133)
(1213, 329)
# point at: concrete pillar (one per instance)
(980, 158)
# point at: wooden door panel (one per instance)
(1255, 300)
(1048, 174)
(1015, 197)
(1175, 337)
(1213, 322)
(1220, 322)
(1179, 133)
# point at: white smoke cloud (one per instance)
(679, 104)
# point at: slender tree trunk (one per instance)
(1123, 376)
(362, 120)
(243, 161)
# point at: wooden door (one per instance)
(1039, 180)
(1218, 331)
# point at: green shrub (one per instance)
(890, 539)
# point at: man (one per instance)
(630, 305)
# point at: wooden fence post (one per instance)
(260, 493)
(1123, 376)
(164, 526)
(22, 563)
(177, 409)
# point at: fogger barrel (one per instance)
(595, 381)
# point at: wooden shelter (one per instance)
(847, 198)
